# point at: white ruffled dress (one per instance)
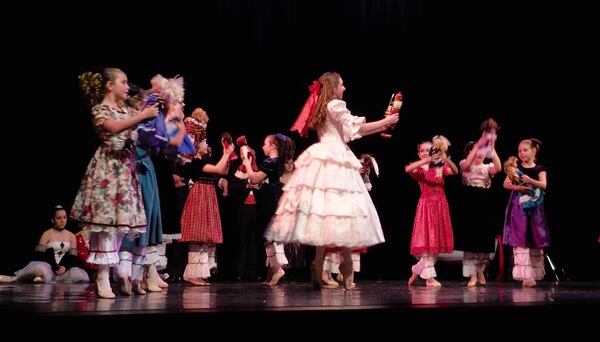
(325, 202)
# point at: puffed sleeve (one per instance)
(541, 168)
(446, 169)
(487, 168)
(100, 114)
(194, 169)
(350, 123)
(417, 174)
(272, 167)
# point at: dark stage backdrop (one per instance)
(249, 65)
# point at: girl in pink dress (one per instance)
(432, 230)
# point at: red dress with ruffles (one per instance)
(432, 230)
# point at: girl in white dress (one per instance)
(325, 202)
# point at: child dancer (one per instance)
(525, 226)
(432, 230)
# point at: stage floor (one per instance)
(79, 299)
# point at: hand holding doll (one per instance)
(512, 171)
(393, 108)
(489, 130)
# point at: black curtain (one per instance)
(248, 64)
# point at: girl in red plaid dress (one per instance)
(201, 220)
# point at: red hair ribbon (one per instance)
(301, 124)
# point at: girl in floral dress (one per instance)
(109, 202)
